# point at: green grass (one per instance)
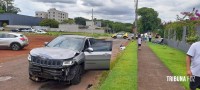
(123, 75)
(79, 33)
(173, 59)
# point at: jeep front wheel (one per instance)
(77, 77)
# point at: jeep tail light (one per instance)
(23, 39)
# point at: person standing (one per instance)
(150, 36)
(193, 65)
(139, 41)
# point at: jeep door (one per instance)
(99, 57)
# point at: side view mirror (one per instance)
(45, 43)
(89, 49)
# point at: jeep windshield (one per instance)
(71, 43)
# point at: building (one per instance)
(95, 23)
(16, 19)
(53, 14)
(41, 14)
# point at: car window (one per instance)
(2, 35)
(87, 44)
(101, 45)
(67, 43)
(10, 36)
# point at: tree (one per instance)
(80, 20)
(49, 22)
(117, 26)
(4, 25)
(148, 20)
(6, 6)
(69, 21)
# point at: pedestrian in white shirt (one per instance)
(139, 42)
(150, 36)
(193, 65)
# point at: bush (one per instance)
(49, 22)
(177, 28)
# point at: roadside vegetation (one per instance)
(79, 33)
(123, 73)
(173, 59)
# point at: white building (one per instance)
(53, 14)
(94, 24)
(41, 14)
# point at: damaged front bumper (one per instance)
(61, 74)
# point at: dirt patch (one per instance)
(34, 41)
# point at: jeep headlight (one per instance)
(68, 63)
(29, 57)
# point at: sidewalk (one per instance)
(152, 73)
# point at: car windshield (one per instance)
(71, 43)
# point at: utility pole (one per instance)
(136, 16)
(92, 21)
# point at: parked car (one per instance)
(28, 30)
(25, 30)
(2, 29)
(66, 57)
(15, 41)
(14, 30)
(120, 35)
(131, 36)
(40, 31)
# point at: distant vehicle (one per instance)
(15, 41)
(131, 36)
(15, 30)
(40, 31)
(27, 30)
(2, 29)
(120, 35)
(66, 58)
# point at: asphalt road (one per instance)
(14, 75)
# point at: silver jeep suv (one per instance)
(15, 41)
(67, 56)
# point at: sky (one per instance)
(114, 10)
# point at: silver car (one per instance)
(66, 57)
(15, 41)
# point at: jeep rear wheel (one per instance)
(15, 46)
(77, 77)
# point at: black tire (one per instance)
(114, 37)
(15, 46)
(77, 78)
(125, 37)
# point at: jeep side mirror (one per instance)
(89, 49)
(45, 43)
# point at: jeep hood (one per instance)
(53, 53)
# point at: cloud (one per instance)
(113, 11)
(116, 10)
(93, 3)
(57, 1)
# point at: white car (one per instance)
(40, 31)
(15, 41)
(1, 29)
(27, 30)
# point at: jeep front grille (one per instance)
(46, 62)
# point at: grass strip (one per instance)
(123, 74)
